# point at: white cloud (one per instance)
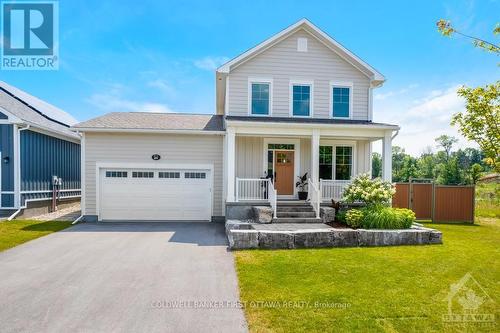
(162, 86)
(210, 63)
(382, 96)
(113, 102)
(425, 119)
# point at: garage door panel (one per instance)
(127, 198)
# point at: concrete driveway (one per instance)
(122, 277)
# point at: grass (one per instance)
(488, 200)
(13, 233)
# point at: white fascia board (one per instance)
(146, 131)
(58, 135)
(328, 41)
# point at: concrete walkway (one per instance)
(122, 277)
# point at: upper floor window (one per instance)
(341, 102)
(301, 100)
(260, 97)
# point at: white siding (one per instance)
(138, 148)
(283, 63)
(363, 163)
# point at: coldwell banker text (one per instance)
(30, 33)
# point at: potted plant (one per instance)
(301, 185)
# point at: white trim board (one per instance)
(267, 80)
(341, 84)
(300, 82)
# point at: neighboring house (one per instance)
(298, 102)
(36, 145)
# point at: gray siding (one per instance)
(43, 157)
(7, 174)
(283, 63)
(138, 148)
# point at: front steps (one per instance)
(295, 212)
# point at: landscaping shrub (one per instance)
(354, 218)
(380, 217)
(369, 191)
(340, 216)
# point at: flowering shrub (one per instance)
(369, 191)
(354, 218)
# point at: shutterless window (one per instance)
(325, 162)
(169, 174)
(116, 174)
(301, 100)
(260, 98)
(343, 163)
(197, 175)
(341, 102)
(142, 174)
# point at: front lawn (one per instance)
(16, 232)
(391, 289)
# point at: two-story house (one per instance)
(297, 103)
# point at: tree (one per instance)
(481, 120)
(425, 166)
(447, 143)
(446, 29)
(376, 165)
(475, 172)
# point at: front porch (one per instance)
(263, 163)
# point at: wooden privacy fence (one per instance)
(439, 203)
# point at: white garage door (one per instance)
(155, 195)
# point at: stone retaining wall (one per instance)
(244, 236)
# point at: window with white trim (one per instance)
(163, 174)
(142, 174)
(195, 175)
(341, 101)
(336, 162)
(301, 100)
(116, 174)
(260, 98)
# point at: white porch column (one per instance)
(314, 173)
(231, 160)
(387, 156)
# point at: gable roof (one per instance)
(375, 76)
(147, 121)
(34, 112)
(323, 37)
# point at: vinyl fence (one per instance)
(439, 203)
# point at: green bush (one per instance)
(354, 218)
(340, 216)
(381, 217)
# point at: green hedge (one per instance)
(380, 217)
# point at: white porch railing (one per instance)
(315, 196)
(248, 189)
(332, 189)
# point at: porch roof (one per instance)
(319, 121)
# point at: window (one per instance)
(169, 174)
(197, 175)
(116, 174)
(301, 100)
(341, 101)
(325, 162)
(343, 162)
(280, 146)
(260, 98)
(142, 174)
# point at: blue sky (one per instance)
(161, 55)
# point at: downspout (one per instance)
(395, 135)
(13, 216)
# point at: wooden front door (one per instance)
(284, 169)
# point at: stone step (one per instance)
(296, 214)
(292, 203)
(296, 220)
(294, 209)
